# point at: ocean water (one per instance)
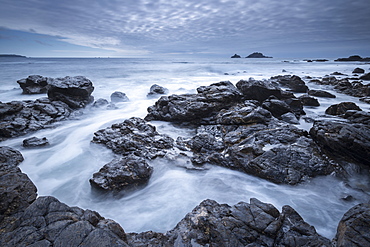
(63, 169)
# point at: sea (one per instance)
(64, 168)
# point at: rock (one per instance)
(22, 117)
(321, 93)
(289, 118)
(35, 142)
(354, 88)
(236, 56)
(341, 108)
(365, 77)
(157, 90)
(258, 90)
(195, 107)
(353, 58)
(257, 55)
(293, 82)
(276, 107)
(350, 141)
(308, 101)
(354, 227)
(125, 173)
(34, 84)
(9, 158)
(74, 91)
(358, 71)
(244, 224)
(99, 103)
(118, 97)
(338, 73)
(134, 136)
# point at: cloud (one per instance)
(166, 26)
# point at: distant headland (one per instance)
(12, 55)
(253, 55)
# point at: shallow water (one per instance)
(64, 168)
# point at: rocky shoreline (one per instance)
(249, 127)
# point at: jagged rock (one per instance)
(354, 88)
(276, 107)
(365, 77)
(125, 173)
(308, 101)
(35, 142)
(157, 90)
(195, 107)
(34, 84)
(343, 139)
(134, 136)
(293, 82)
(341, 108)
(235, 56)
(321, 93)
(22, 117)
(358, 71)
(258, 90)
(118, 97)
(355, 116)
(354, 228)
(74, 91)
(244, 224)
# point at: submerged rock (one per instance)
(157, 90)
(74, 91)
(321, 93)
(117, 97)
(35, 142)
(121, 174)
(34, 84)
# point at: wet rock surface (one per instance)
(74, 91)
(35, 142)
(157, 90)
(341, 108)
(117, 97)
(34, 84)
(292, 82)
(321, 93)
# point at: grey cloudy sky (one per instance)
(290, 28)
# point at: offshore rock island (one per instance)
(250, 127)
(253, 55)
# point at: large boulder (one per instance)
(308, 100)
(117, 97)
(22, 117)
(358, 71)
(343, 139)
(341, 108)
(258, 90)
(34, 84)
(195, 107)
(244, 224)
(134, 136)
(125, 173)
(74, 91)
(354, 228)
(292, 82)
(321, 93)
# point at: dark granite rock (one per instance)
(244, 224)
(34, 84)
(354, 88)
(35, 142)
(257, 55)
(347, 140)
(354, 228)
(22, 117)
(276, 107)
(321, 93)
(365, 77)
(293, 82)
(258, 90)
(157, 90)
(121, 174)
(74, 91)
(341, 108)
(308, 101)
(119, 97)
(134, 136)
(235, 56)
(358, 71)
(195, 107)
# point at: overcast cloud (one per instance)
(192, 26)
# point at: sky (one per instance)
(214, 28)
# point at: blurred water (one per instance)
(64, 168)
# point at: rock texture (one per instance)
(353, 229)
(292, 82)
(74, 91)
(341, 108)
(156, 90)
(35, 142)
(321, 93)
(122, 174)
(34, 84)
